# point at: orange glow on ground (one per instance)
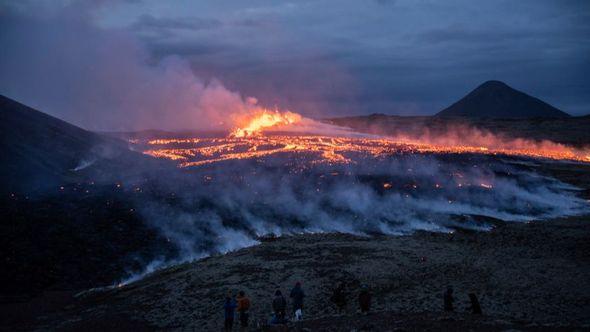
(324, 149)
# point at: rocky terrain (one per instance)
(526, 276)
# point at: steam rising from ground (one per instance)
(226, 206)
(468, 136)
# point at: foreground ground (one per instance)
(527, 276)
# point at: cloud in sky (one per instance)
(315, 57)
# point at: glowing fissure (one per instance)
(248, 141)
(326, 149)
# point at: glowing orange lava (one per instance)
(247, 141)
(264, 119)
(323, 149)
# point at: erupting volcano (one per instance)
(198, 161)
(257, 138)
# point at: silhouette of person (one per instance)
(475, 307)
(229, 307)
(297, 296)
(279, 305)
(365, 299)
(339, 297)
(448, 299)
(243, 307)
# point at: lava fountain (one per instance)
(264, 119)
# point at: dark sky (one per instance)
(133, 64)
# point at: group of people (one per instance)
(241, 304)
(339, 297)
(279, 306)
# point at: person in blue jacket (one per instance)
(229, 308)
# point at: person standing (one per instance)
(297, 296)
(279, 306)
(475, 307)
(339, 298)
(448, 299)
(229, 307)
(365, 299)
(243, 307)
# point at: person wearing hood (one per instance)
(475, 307)
(297, 296)
(279, 305)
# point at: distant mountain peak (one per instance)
(493, 84)
(496, 99)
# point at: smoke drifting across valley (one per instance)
(229, 205)
(103, 78)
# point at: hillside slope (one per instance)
(67, 205)
(40, 151)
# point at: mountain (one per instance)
(495, 99)
(40, 151)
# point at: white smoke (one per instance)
(63, 62)
(227, 206)
(84, 163)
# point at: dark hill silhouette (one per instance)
(65, 224)
(41, 152)
(495, 99)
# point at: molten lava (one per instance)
(264, 119)
(247, 141)
(323, 149)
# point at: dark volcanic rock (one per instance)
(38, 150)
(495, 99)
(67, 220)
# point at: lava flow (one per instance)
(249, 142)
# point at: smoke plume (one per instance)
(101, 78)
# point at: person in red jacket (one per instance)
(243, 307)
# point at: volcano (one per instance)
(495, 99)
(98, 218)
